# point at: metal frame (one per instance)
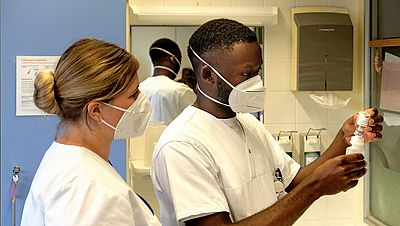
(370, 29)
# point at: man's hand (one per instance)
(371, 133)
(338, 174)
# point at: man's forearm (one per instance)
(287, 210)
(336, 148)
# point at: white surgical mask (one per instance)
(135, 119)
(246, 97)
(169, 53)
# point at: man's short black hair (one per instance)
(166, 44)
(218, 34)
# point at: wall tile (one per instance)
(307, 111)
(342, 222)
(330, 133)
(350, 5)
(311, 3)
(317, 211)
(303, 127)
(283, 10)
(310, 223)
(341, 114)
(342, 206)
(271, 2)
(277, 41)
(359, 199)
(275, 128)
(280, 108)
(277, 76)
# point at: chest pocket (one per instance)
(251, 196)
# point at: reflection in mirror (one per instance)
(143, 37)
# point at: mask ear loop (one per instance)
(167, 52)
(108, 124)
(111, 106)
(211, 98)
(115, 107)
(176, 59)
(212, 68)
(166, 68)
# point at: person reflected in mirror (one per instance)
(216, 164)
(167, 97)
(189, 78)
(94, 90)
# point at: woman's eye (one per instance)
(135, 95)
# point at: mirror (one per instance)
(144, 36)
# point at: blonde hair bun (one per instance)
(45, 95)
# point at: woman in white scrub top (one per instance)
(94, 91)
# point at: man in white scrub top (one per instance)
(217, 165)
(168, 98)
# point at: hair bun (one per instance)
(44, 95)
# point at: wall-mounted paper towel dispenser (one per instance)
(322, 49)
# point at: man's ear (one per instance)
(93, 111)
(172, 60)
(207, 74)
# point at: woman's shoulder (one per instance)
(69, 165)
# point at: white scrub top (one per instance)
(202, 165)
(75, 186)
(168, 98)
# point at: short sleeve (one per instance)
(189, 177)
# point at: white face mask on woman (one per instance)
(246, 97)
(135, 119)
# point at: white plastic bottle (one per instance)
(357, 140)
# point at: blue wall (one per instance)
(44, 27)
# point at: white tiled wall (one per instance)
(287, 110)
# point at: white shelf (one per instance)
(197, 15)
(140, 168)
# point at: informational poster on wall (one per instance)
(27, 69)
